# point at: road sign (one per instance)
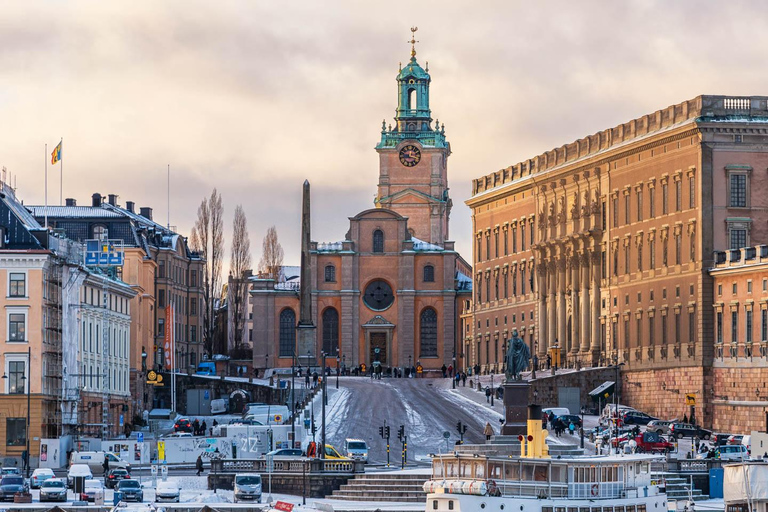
(690, 399)
(104, 253)
(419, 369)
(446, 435)
(161, 450)
(154, 469)
(270, 463)
(122, 420)
(140, 437)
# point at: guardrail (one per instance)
(309, 466)
(695, 465)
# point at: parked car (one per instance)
(10, 485)
(286, 452)
(660, 426)
(92, 488)
(556, 411)
(729, 452)
(114, 476)
(53, 489)
(78, 471)
(651, 442)
(183, 425)
(10, 471)
(567, 419)
(39, 476)
(681, 430)
(636, 418)
(179, 434)
(167, 491)
(131, 490)
(248, 487)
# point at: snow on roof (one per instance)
(73, 212)
(330, 246)
(464, 281)
(19, 210)
(421, 245)
(289, 273)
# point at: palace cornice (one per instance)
(587, 162)
(23, 260)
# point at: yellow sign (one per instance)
(419, 369)
(690, 399)
(362, 367)
(161, 450)
(154, 378)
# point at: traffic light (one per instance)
(386, 431)
(381, 431)
(401, 432)
(458, 427)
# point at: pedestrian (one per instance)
(203, 428)
(413, 372)
(488, 431)
(685, 418)
(544, 420)
(450, 370)
(105, 465)
(444, 369)
(306, 381)
(199, 464)
(215, 422)
(549, 361)
(314, 380)
(571, 428)
(464, 379)
(196, 427)
(487, 394)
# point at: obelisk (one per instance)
(306, 331)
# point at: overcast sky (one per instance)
(253, 97)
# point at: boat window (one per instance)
(607, 509)
(527, 474)
(546, 509)
(494, 471)
(641, 508)
(558, 474)
(540, 474)
(573, 509)
(513, 471)
(434, 504)
(583, 509)
(437, 469)
(630, 508)
(451, 469)
(559, 509)
(618, 509)
(466, 470)
(480, 470)
(645, 468)
(450, 505)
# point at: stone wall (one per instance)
(296, 484)
(661, 393)
(740, 399)
(544, 389)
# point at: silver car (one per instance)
(659, 426)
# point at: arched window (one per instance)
(428, 333)
(100, 232)
(412, 99)
(429, 274)
(378, 241)
(287, 332)
(330, 331)
(330, 274)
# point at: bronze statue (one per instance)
(517, 357)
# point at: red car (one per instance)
(651, 442)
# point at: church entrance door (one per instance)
(378, 341)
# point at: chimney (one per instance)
(113, 199)
(146, 212)
(96, 200)
(129, 206)
(71, 201)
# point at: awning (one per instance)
(602, 391)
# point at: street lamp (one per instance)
(266, 362)
(616, 406)
(493, 390)
(338, 368)
(344, 362)
(325, 393)
(309, 362)
(582, 427)
(293, 400)
(454, 369)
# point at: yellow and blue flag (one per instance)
(56, 155)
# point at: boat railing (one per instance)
(534, 489)
(596, 490)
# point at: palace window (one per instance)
(330, 274)
(639, 334)
(652, 252)
(738, 190)
(616, 262)
(487, 288)
(17, 284)
(496, 243)
(615, 212)
(651, 331)
(429, 274)
(678, 195)
(763, 325)
(640, 258)
(692, 239)
(496, 286)
(487, 246)
(287, 333)
(664, 198)
(514, 282)
(330, 331)
(531, 231)
(734, 326)
(506, 242)
(639, 205)
(626, 333)
(506, 283)
(428, 333)
(720, 326)
(626, 259)
(678, 249)
(626, 209)
(664, 330)
(738, 238)
(522, 236)
(692, 327)
(652, 202)
(691, 192)
(749, 326)
(378, 241)
(522, 280)
(479, 252)
(677, 328)
(514, 240)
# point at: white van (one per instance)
(733, 452)
(95, 461)
(247, 487)
(356, 449)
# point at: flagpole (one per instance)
(46, 187)
(61, 170)
(173, 358)
(169, 197)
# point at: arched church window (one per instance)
(429, 274)
(412, 99)
(287, 332)
(428, 333)
(378, 241)
(330, 274)
(330, 331)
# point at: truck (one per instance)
(651, 442)
(206, 368)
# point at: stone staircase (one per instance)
(396, 487)
(679, 487)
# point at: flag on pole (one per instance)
(56, 155)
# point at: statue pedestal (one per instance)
(306, 337)
(516, 408)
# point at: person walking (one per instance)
(105, 465)
(464, 379)
(199, 464)
(306, 380)
(444, 369)
(203, 428)
(488, 431)
(488, 394)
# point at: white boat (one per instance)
(463, 482)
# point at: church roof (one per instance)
(413, 70)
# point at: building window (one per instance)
(16, 377)
(749, 286)
(330, 331)
(640, 258)
(193, 307)
(720, 326)
(626, 259)
(522, 236)
(496, 243)
(487, 246)
(160, 327)
(428, 333)
(522, 280)
(496, 287)
(651, 331)
(15, 431)
(763, 325)
(506, 242)
(626, 208)
(652, 202)
(664, 330)
(691, 327)
(615, 212)
(738, 238)
(652, 253)
(17, 328)
(378, 241)
(514, 240)
(678, 195)
(639, 205)
(287, 332)
(678, 249)
(479, 247)
(664, 198)
(734, 326)
(506, 284)
(691, 192)
(193, 334)
(531, 231)
(738, 190)
(330, 274)
(161, 298)
(514, 282)
(100, 232)
(677, 328)
(749, 326)
(616, 262)
(429, 274)
(626, 333)
(193, 278)
(161, 269)
(17, 284)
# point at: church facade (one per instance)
(394, 289)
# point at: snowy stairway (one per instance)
(679, 488)
(383, 487)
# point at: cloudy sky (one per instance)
(253, 96)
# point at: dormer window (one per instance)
(378, 241)
(100, 232)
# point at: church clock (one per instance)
(410, 155)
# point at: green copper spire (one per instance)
(413, 118)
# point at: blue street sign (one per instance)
(140, 437)
(121, 420)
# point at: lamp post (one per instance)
(535, 359)
(344, 362)
(616, 406)
(454, 369)
(493, 390)
(582, 427)
(309, 363)
(293, 400)
(338, 368)
(325, 392)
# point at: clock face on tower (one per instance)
(410, 155)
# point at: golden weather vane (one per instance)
(413, 41)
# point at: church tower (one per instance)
(413, 155)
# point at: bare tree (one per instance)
(194, 240)
(239, 265)
(209, 238)
(271, 254)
